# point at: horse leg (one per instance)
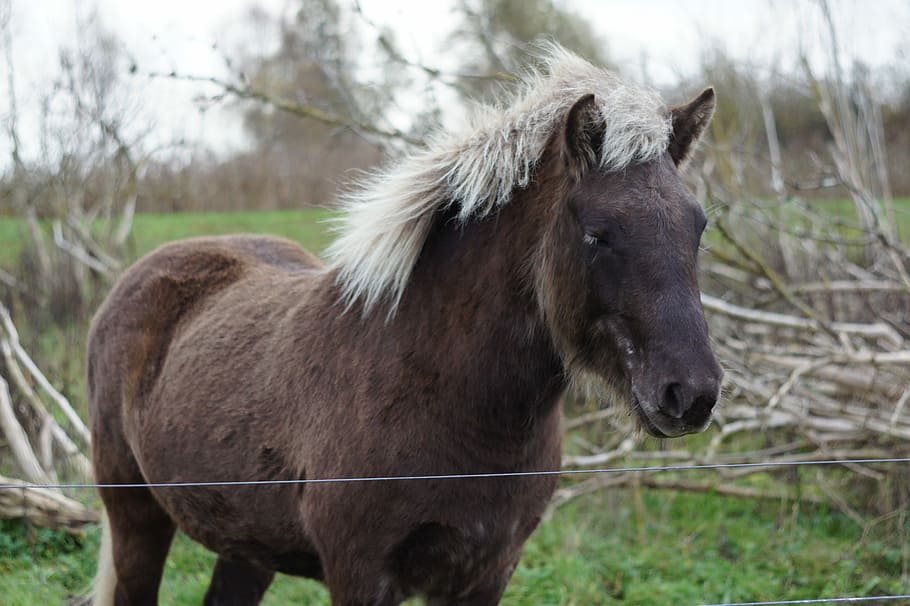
(237, 583)
(141, 534)
(488, 593)
(352, 589)
(344, 597)
(484, 596)
(376, 601)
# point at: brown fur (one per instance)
(232, 359)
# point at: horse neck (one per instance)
(470, 313)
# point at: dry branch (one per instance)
(12, 337)
(77, 251)
(43, 507)
(51, 431)
(877, 329)
(809, 313)
(302, 110)
(637, 479)
(18, 440)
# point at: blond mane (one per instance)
(475, 170)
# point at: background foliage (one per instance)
(804, 176)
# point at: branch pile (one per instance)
(43, 507)
(32, 423)
(808, 304)
(817, 358)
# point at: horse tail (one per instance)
(105, 583)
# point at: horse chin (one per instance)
(659, 425)
(647, 425)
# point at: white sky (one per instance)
(657, 39)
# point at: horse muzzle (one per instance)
(679, 407)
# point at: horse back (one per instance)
(133, 329)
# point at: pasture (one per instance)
(532, 291)
(627, 546)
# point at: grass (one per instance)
(617, 548)
(307, 226)
(622, 547)
(152, 230)
(38, 565)
(677, 548)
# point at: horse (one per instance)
(549, 242)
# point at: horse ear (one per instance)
(583, 135)
(689, 122)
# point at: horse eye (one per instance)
(592, 240)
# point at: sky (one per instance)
(655, 40)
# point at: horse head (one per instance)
(617, 272)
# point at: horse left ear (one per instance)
(689, 122)
(583, 134)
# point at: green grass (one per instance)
(41, 566)
(306, 226)
(10, 238)
(151, 230)
(622, 547)
(680, 548)
(611, 549)
(844, 225)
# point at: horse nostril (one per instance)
(703, 406)
(682, 403)
(675, 403)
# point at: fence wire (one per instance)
(463, 476)
(880, 598)
(559, 472)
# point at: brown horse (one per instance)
(553, 241)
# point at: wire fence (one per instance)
(518, 474)
(464, 476)
(879, 598)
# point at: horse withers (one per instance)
(551, 242)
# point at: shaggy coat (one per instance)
(470, 283)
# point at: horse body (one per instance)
(262, 378)
(245, 358)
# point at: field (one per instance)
(669, 549)
(630, 547)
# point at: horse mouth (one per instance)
(660, 425)
(645, 420)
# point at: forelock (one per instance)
(476, 168)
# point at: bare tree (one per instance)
(76, 194)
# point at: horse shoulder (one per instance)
(132, 332)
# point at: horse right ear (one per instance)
(689, 122)
(583, 135)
